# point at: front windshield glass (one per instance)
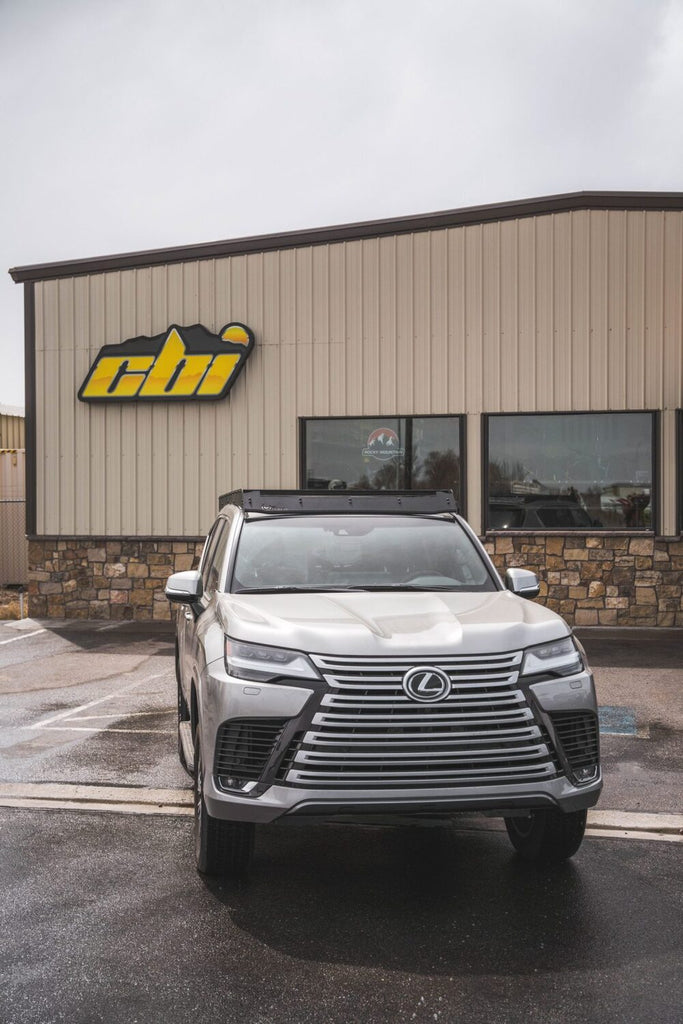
(357, 552)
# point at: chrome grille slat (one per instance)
(339, 700)
(344, 779)
(501, 735)
(390, 682)
(418, 738)
(368, 732)
(424, 757)
(325, 661)
(376, 721)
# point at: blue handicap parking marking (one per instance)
(619, 721)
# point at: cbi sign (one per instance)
(183, 364)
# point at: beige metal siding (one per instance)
(560, 312)
(13, 543)
(12, 434)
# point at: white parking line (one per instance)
(76, 796)
(93, 703)
(117, 714)
(24, 636)
(100, 728)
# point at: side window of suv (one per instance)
(214, 562)
(209, 548)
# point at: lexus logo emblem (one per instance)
(426, 684)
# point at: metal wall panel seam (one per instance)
(543, 312)
(270, 342)
(653, 348)
(562, 329)
(507, 340)
(370, 323)
(404, 324)
(438, 320)
(579, 355)
(527, 262)
(635, 284)
(456, 324)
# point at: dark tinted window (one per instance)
(214, 557)
(599, 464)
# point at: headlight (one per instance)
(559, 657)
(251, 661)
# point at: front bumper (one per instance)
(225, 698)
(283, 801)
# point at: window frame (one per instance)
(678, 470)
(653, 530)
(461, 417)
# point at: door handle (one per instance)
(188, 615)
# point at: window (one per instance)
(383, 453)
(578, 471)
(215, 552)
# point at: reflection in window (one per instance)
(383, 453)
(569, 472)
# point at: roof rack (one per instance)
(277, 502)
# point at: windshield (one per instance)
(357, 552)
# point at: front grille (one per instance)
(368, 733)
(577, 734)
(244, 746)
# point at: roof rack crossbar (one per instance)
(278, 502)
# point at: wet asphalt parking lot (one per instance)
(104, 917)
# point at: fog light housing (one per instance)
(234, 783)
(587, 774)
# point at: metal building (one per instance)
(13, 546)
(529, 354)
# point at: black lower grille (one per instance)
(577, 734)
(244, 746)
(290, 754)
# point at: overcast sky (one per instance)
(133, 124)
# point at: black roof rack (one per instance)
(277, 502)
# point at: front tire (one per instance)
(547, 836)
(221, 847)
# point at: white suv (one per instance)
(357, 654)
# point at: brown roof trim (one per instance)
(348, 232)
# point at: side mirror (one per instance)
(522, 582)
(184, 587)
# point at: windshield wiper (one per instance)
(295, 590)
(405, 586)
(355, 589)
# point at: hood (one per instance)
(397, 624)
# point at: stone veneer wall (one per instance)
(603, 579)
(600, 579)
(98, 578)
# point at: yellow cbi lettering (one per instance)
(182, 364)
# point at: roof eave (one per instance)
(561, 203)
